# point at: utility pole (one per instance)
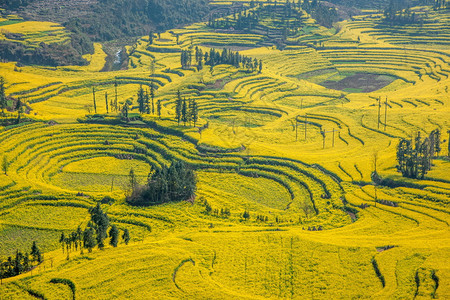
(93, 95)
(306, 122)
(106, 100)
(296, 129)
(333, 137)
(379, 111)
(323, 137)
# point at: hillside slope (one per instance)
(111, 19)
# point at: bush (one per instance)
(107, 200)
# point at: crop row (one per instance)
(39, 159)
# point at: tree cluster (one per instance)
(5, 164)
(241, 21)
(95, 234)
(186, 111)
(262, 218)
(143, 99)
(215, 57)
(324, 15)
(414, 157)
(100, 20)
(439, 4)
(45, 54)
(168, 184)
(232, 58)
(186, 59)
(396, 14)
(14, 4)
(21, 262)
(287, 17)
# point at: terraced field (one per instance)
(432, 31)
(292, 145)
(32, 33)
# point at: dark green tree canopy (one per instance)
(174, 183)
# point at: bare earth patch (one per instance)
(360, 83)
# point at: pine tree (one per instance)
(61, 240)
(189, 58)
(152, 95)
(19, 108)
(150, 38)
(26, 262)
(114, 235)
(132, 181)
(5, 165)
(195, 112)
(184, 112)
(152, 67)
(125, 111)
(414, 158)
(3, 101)
(126, 236)
(158, 108)
(175, 183)
(197, 55)
(200, 65)
(18, 267)
(190, 111)
(437, 141)
(141, 99)
(146, 103)
(102, 223)
(186, 59)
(88, 239)
(106, 100)
(183, 59)
(80, 238)
(178, 107)
(35, 252)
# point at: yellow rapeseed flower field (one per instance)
(294, 145)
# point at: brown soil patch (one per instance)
(360, 83)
